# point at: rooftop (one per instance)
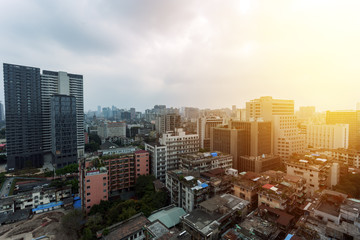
(202, 221)
(127, 227)
(225, 202)
(168, 216)
(283, 218)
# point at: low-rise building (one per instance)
(259, 164)
(205, 161)
(329, 136)
(215, 216)
(186, 189)
(132, 228)
(319, 173)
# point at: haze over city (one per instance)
(191, 53)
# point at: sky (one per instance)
(206, 54)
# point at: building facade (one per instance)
(204, 125)
(63, 130)
(23, 103)
(266, 107)
(205, 161)
(328, 136)
(167, 122)
(158, 161)
(178, 143)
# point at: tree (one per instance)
(143, 185)
(73, 222)
(71, 168)
(93, 137)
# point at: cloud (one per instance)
(190, 53)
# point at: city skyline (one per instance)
(138, 55)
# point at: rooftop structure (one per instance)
(205, 161)
(169, 216)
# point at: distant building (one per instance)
(305, 113)
(204, 125)
(112, 129)
(267, 107)
(2, 114)
(287, 139)
(167, 122)
(347, 117)
(328, 136)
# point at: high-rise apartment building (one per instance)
(167, 122)
(22, 87)
(158, 159)
(32, 98)
(266, 107)
(68, 84)
(204, 125)
(328, 136)
(178, 143)
(287, 139)
(347, 117)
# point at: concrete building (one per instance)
(287, 139)
(2, 112)
(305, 113)
(214, 216)
(124, 169)
(23, 116)
(204, 125)
(178, 143)
(93, 184)
(259, 164)
(346, 156)
(158, 159)
(112, 129)
(347, 117)
(318, 172)
(328, 136)
(252, 138)
(186, 189)
(53, 83)
(267, 107)
(205, 161)
(63, 130)
(167, 122)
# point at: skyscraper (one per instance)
(41, 122)
(53, 83)
(22, 87)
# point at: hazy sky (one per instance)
(191, 53)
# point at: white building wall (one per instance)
(329, 136)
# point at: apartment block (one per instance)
(93, 183)
(266, 107)
(186, 189)
(178, 143)
(112, 129)
(318, 172)
(346, 156)
(124, 169)
(167, 122)
(205, 161)
(158, 156)
(329, 136)
(287, 139)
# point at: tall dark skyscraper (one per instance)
(22, 87)
(63, 130)
(45, 117)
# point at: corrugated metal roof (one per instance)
(169, 218)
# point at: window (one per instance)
(104, 184)
(88, 180)
(88, 194)
(104, 178)
(88, 187)
(138, 165)
(88, 207)
(88, 200)
(138, 169)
